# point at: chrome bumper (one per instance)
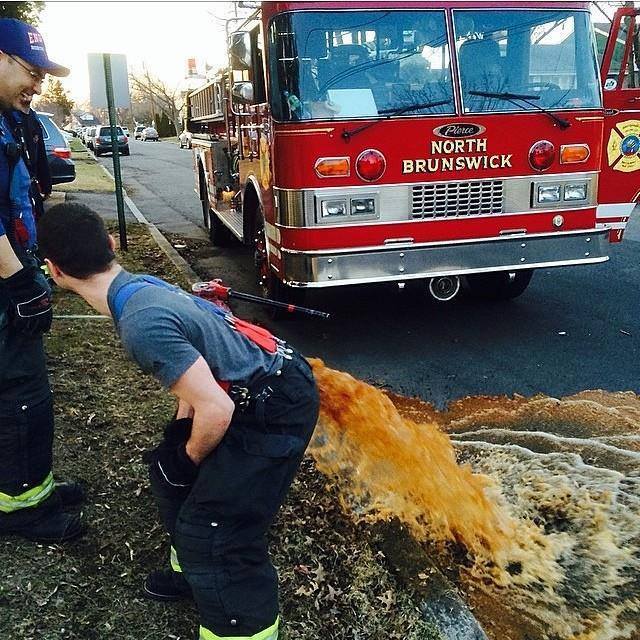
(429, 260)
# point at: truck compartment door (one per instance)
(619, 187)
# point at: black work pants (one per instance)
(219, 526)
(26, 416)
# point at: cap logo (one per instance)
(35, 38)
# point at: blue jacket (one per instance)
(16, 209)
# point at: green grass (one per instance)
(90, 176)
(76, 144)
(332, 583)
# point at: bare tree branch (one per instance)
(166, 99)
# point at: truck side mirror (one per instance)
(240, 50)
(243, 92)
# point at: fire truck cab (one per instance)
(454, 142)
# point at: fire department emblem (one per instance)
(623, 149)
(265, 164)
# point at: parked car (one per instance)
(184, 139)
(137, 132)
(88, 137)
(102, 141)
(149, 133)
(61, 165)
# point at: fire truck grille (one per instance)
(457, 199)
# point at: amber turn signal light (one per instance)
(572, 153)
(332, 167)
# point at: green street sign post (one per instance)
(113, 122)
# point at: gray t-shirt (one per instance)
(165, 331)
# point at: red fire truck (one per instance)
(455, 142)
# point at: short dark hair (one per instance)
(74, 238)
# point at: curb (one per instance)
(440, 602)
(178, 261)
(56, 197)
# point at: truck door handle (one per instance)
(637, 99)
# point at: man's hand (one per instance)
(177, 431)
(30, 309)
(212, 409)
(174, 466)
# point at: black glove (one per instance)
(175, 467)
(177, 431)
(30, 311)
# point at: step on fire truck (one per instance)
(453, 142)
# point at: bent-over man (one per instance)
(247, 407)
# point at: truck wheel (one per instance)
(204, 200)
(270, 286)
(500, 285)
(219, 234)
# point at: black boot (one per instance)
(55, 528)
(166, 585)
(71, 494)
(46, 523)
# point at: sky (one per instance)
(157, 35)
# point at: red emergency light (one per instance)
(541, 155)
(370, 165)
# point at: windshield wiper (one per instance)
(512, 97)
(396, 111)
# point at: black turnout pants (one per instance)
(26, 416)
(219, 526)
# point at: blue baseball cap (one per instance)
(25, 41)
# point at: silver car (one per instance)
(184, 139)
(149, 133)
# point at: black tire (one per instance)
(500, 285)
(219, 234)
(204, 201)
(270, 285)
(126, 152)
(98, 154)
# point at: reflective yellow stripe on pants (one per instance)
(270, 633)
(30, 498)
(173, 558)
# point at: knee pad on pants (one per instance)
(235, 586)
(26, 444)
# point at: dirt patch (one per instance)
(334, 583)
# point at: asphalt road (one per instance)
(159, 177)
(573, 329)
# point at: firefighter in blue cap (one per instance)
(32, 504)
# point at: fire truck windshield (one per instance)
(549, 55)
(353, 64)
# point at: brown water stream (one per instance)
(542, 495)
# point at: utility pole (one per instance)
(117, 175)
